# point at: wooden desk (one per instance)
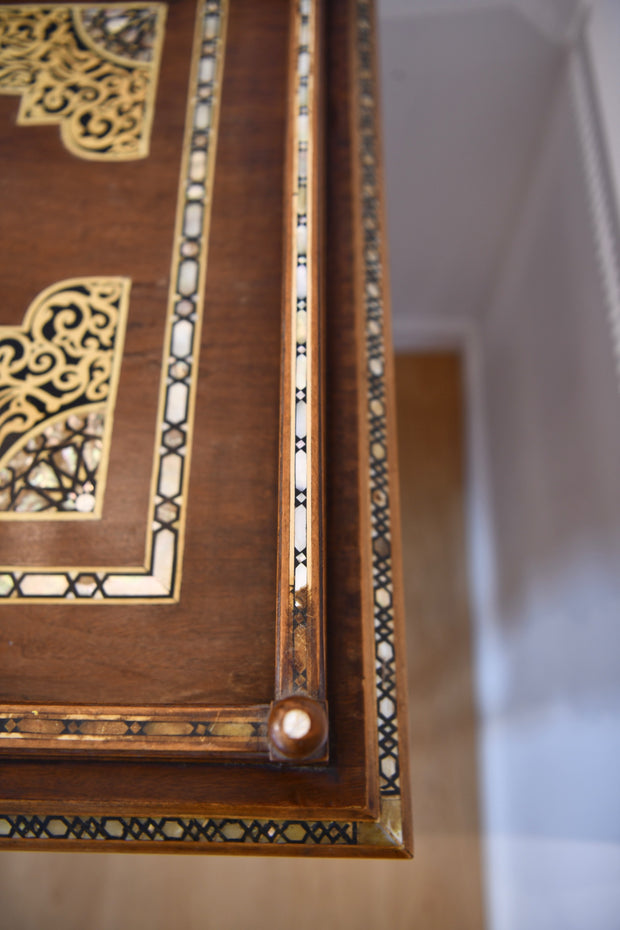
(200, 615)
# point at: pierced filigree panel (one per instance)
(93, 70)
(58, 378)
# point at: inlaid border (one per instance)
(382, 466)
(234, 731)
(300, 609)
(389, 835)
(159, 578)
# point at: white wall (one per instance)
(549, 646)
(603, 36)
(465, 97)
(502, 231)
(554, 18)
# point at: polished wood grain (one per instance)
(443, 723)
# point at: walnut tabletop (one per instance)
(201, 630)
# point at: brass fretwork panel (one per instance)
(92, 70)
(58, 378)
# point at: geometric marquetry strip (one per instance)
(58, 378)
(180, 830)
(370, 221)
(241, 731)
(93, 70)
(300, 656)
(159, 577)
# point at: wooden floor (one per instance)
(441, 888)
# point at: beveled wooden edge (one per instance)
(300, 634)
(28, 826)
(219, 835)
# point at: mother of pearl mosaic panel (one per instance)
(159, 577)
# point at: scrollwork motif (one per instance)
(63, 357)
(60, 59)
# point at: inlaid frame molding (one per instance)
(299, 691)
(300, 619)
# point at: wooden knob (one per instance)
(297, 729)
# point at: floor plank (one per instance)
(441, 888)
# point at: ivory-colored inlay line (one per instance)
(303, 300)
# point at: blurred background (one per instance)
(502, 151)
(502, 123)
